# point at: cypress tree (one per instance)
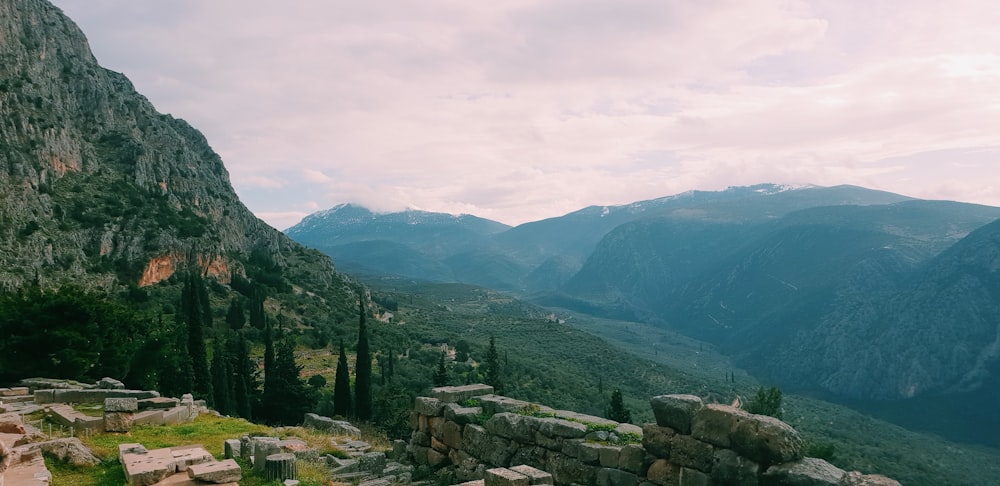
(291, 397)
(270, 378)
(363, 371)
(342, 385)
(257, 319)
(492, 364)
(193, 312)
(441, 374)
(234, 316)
(244, 382)
(616, 410)
(221, 371)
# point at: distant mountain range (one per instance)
(844, 291)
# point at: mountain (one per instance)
(410, 243)
(101, 190)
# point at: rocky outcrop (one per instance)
(97, 187)
(690, 443)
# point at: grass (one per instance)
(209, 431)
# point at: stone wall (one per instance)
(468, 430)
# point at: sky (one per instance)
(526, 109)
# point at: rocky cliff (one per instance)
(99, 188)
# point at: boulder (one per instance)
(657, 439)
(107, 383)
(663, 472)
(69, 450)
(855, 478)
(730, 468)
(675, 411)
(807, 471)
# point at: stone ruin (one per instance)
(121, 409)
(690, 444)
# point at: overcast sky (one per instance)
(518, 110)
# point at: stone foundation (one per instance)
(690, 443)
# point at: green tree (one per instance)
(767, 401)
(235, 318)
(244, 378)
(221, 372)
(193, 312)
(342, 385)
(616, 409)
(257, 317)
(268, 394)
(494, 376)
(363, 371)
(289, 397)
(441, 373)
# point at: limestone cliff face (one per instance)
(98, 187)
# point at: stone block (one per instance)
(804, 472)
(731, 468)
(532, 456)
(675, 411)
(149, 467)
(186, 456)
(454, 394)
(435, 426)
(631, 458)
(217, 472)
(504, 477)
(436, 459)
(263, 447)
(44, 396)
(439, 446)
(431, 407)
(148, 417)
(714, 423)
(555, 427)
(98, 396)
(452, 435)
(692, 477)
(550, 443)
(568, 470)
(176, 415)
(628, 429)
(494, 404)
(121, 404)
(662, 472)
(767, 440)
(232, 448)
(373, 462)
(855, 478)
(686, 451)
(610, 456)
(616, 477)
(535, 476)
(656, 439)
(86, 422)
(118, 421)
(520, 428)
(130, 448)
(420, 438)
(461, 415)
(15, 391)
(490, 449)
(334, 427)
(107, 383)
(584, 418)
(158, 403)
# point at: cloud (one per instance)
(525, 109)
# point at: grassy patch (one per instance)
(207, 430)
